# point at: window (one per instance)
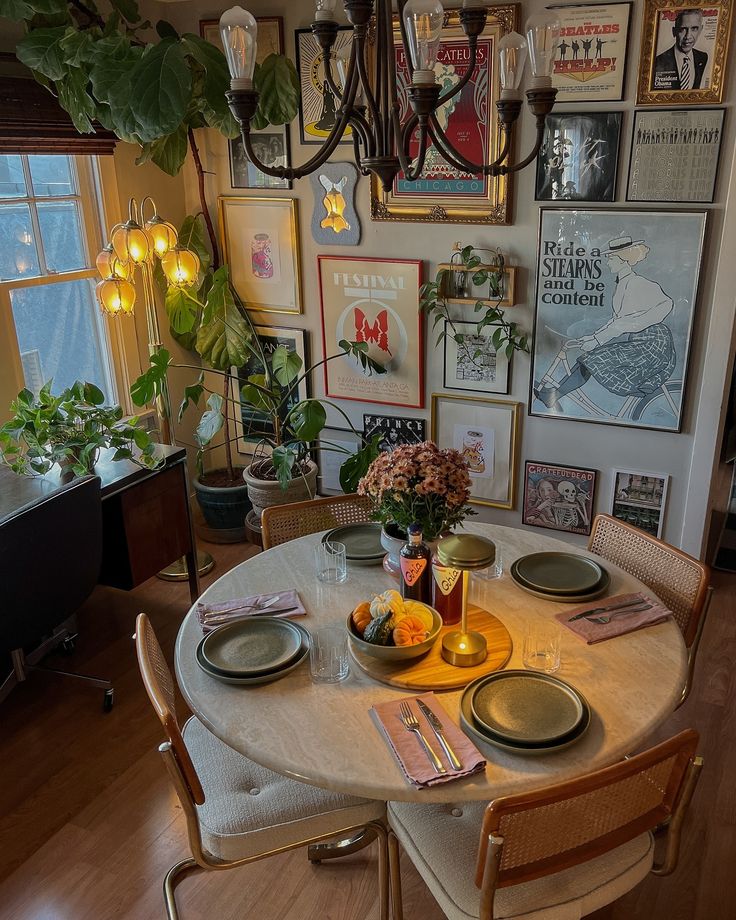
(49, 237)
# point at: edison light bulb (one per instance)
(109, 266)
(512, 51)
(542, 34)
(181, 266)
(239, 31)
(162, 235)
(423, 19)
(115, 296)
(131, 243)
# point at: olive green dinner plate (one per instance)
(251, 647)
(599, 591)
(526, 706)
(559, 573)
(362, 542)
(265, 678)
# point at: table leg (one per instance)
(191, 556)
(335, 849)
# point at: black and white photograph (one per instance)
(674, 155)
(394, 431)
(615, 301)
(271, 146)
(640, 499)
(579, 157)
(335, 446)
(474, 363)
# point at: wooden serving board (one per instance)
(432, 672)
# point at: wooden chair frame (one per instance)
(312, 516)
(671, 810)
(159, 685)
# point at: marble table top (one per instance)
(323, 734)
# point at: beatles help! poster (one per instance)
(375, 301)
(591, 53)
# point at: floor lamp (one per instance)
(135, 245)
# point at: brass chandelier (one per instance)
(368, 96)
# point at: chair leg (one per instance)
(395, 874)
(170, 882)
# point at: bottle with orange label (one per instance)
(447, 591)
(414, 558)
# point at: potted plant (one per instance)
(70, 429)
(416, 482)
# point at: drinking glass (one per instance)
(542, 647)
(330, 563)
(328, 654)
(493, 571)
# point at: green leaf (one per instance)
(76, 45)
(160, 84)
(128, 9)
(15, 10)
(168, 153)
(141, 438)
(255, 394)
(166, 30)
(75, 100)
(181, 310)
(148, 385)
(307, 419)
(216, 83)
(283, 458)
(192, 394)
(473, 262)
(41, 50)
(355, 467)
(223, 336)
(191, 236)
(211, 421)
(93, 394)
(480, 277)
(286, 366)
(277, 82)
(48, 7)
(509, 349)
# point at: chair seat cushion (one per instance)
(442, 841)
(249, 810)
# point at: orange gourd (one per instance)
(362, 617)
(410, 631)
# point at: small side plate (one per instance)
(362, 542)
(252, 646)
(562, 598)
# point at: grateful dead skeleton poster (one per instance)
(374, 301)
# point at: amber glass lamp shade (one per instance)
(115, 296)
(181, 266)
(109, 266)
(162, 235)
(131, 243)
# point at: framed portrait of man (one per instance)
(683, 52)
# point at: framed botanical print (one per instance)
(674, 155)
(271, 146)
(579, 157)
(270, 35)
(251, 426)
(485, 431)
(615, 300)
(394, 431)
(470, 120)
(640, 499)
(336, 445)
(590, 58)
(318, 107)
(474, 363)
(684, 49)
(375, 301)
(260, 242)
(558, 497)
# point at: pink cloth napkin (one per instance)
(621, 623)
(240, 608)
(409, 751)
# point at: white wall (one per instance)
(596, 446)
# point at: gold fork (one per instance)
(411, 724)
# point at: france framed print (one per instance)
(375, 301)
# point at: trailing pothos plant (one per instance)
(433, 300)
(210, 316)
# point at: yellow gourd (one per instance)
(410, 631)
(362, 617)
(421, 612)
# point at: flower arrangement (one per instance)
(419, 482)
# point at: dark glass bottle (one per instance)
(447, 591)
(415, 559)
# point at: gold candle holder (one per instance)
(465, 648)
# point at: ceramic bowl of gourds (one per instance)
(392, 629)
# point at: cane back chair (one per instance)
(281, 523)
(237, 811)
(559, 853)
(679, 580)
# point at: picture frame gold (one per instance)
(260, 242)
(494, 485)
(489, 203)
(270, 35)
(659, 78)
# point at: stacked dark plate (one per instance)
(567, 578)
(525, 712)
(362, 543)
(253, 651)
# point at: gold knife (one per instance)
(436, 726)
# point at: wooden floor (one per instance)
(89, 823)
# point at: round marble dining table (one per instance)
(324, 734)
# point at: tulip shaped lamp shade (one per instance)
(116, 296)
(181, 266)
(467, 552)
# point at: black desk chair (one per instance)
(50, 555)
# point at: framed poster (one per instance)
(590, 59)
(271, 146)
(578, 159)
(375, 301)
(250, 425)
(615, 301)
(474, 363)
(683, 55)
(394, 431)
(674, 155)
(640, 499)
(336, 445)
(270, 35)
(470, 120)
(318, 107)
(485, 431)
(260, 242)
(558, 497)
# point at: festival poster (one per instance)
(590, 59)
(375, 301)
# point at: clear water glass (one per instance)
(328, 654)
(330, 563)
(542, 647)
(493, 571)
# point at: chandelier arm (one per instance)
(457, 160)
(402, 145)
(448, 151)
(356, 154)
(330, 77)
(359, 122)
(363, 77)
(532, 156)
(413, 173)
